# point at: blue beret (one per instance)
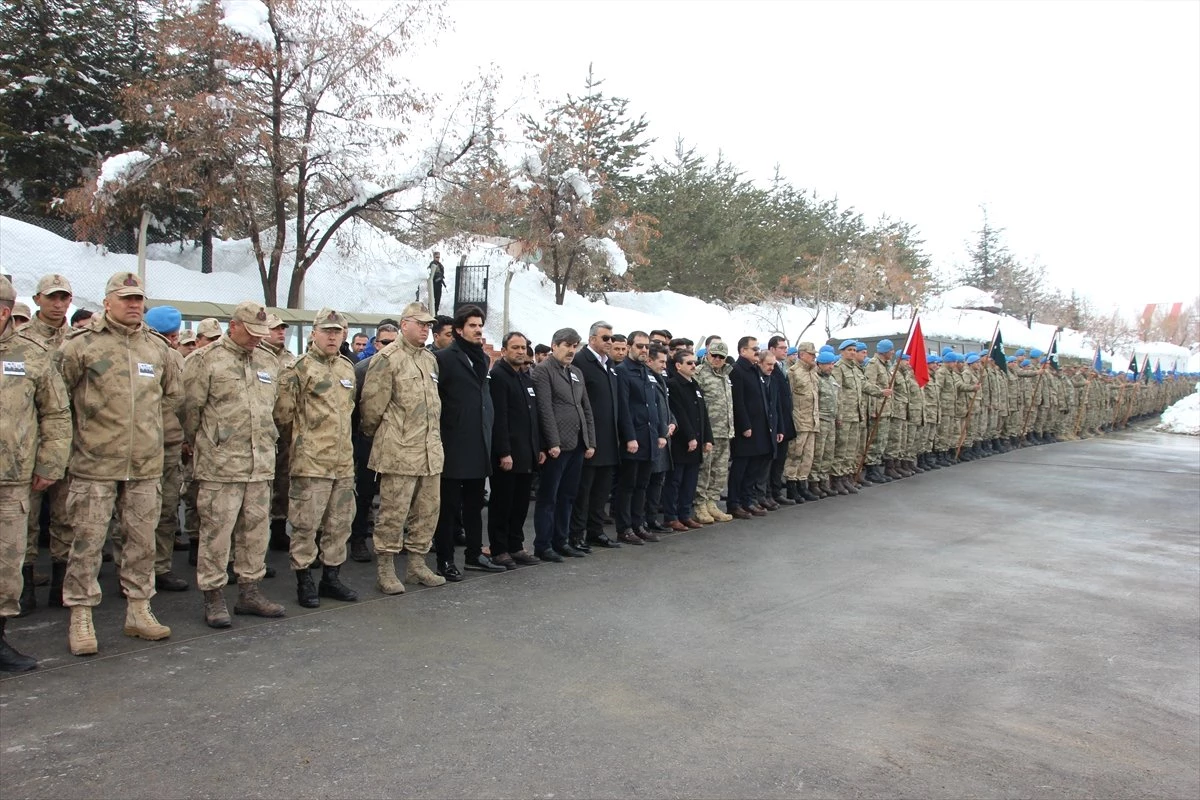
(861, 345)
(826, 357)
(791, 351)
(1011, 359)
(826, 348)
(847, 343)
(1020, 352)
(701, 353)
(933, 359)
(1035, 353)
(972, 358)
(885, 346)
(904, 357)
(1025, 362)
(164, 319)
(947, 349)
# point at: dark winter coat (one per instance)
(750, 412)
(601, 383)
(515, 431)
(691, 418)
(783, 396)
(662, 456)
(564, 412)
(774, 409)
(467, 413)
(637, 414)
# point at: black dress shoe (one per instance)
(568, 551)
(653, 525)
(646, 536)
(504, 560)
(602, 541)
(549, 555)
(460, 539)
(523, 558)
(629, 537)
(581, 545)
(483, 564)
(448, 571)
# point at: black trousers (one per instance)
(366, 486)
(507, 511)
(654, 493)
(467, 495)
(777, 483)
(587, 516)
(631, 494)
(760, 468)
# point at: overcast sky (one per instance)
(1077, 123)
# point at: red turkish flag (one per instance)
(916, 355)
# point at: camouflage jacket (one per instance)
(316, 400)
(877, 377)
(401, 411)
(897, 405)
(172, 424)
(947, 390)
(806, 415)
(827, 397)
(36, 435)
(45, 334)
(718, 395)
(229, 397)
(850, 397)
(933, 408)
(916, 398)
(968, 383)
(282, 356)
(122, 381)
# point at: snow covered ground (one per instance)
(1184, 416)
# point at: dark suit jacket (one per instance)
(662, 457)
(601, 385)
(515, 432)
(783, 395)
(637, 413)
(750, 412)
(467, 413)
(691, 419)
(564, 412)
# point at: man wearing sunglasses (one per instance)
(595, 482)
(640, 428)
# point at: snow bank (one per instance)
(963, 297)
(1183, 417)
(249, 19)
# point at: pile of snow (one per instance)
(1183, 417)
(963, 297)
(249, 19)
(119, 170)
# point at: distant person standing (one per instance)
(516, 452)
(437, 278)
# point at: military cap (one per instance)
(700, 353)
(861, 345)
(21, 311)
(884, 346)
(49, 284)
(806, 347)
(1019, 353)
(1035, 353)
(254, 316)
(164, 319)
(327, 318)
(209, 328)
(972, 358)
(125, 284)
(187, 336)
(904, 357)
(7, 293)
(933, 358)
(1011, 359)
(273, 322)
(791, 351)
(847, 343)
(418, 312)
(826, 358)
(719, 349)
(826, 348)
(1025, 362)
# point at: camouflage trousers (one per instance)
(408, 512)
(232, 515)
(847, 448)
(948, 431)
(897, 443)
(879, 441)
(283, 467)
(325, 504)
(168, 517)
(993, 425)
(60, 524)
(823, 450)
(191, 518)
(800, 456)
(14, 512)
(91, 505)
(714, 472)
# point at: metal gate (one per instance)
(471, 286)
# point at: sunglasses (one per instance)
(606, 338)
(642, 346)
(717, 356)
(689, 363)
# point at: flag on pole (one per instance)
(1097, 364)
(916, 354)
(1158, 376)
(1133, 365)
(1145, 376)
(1053, 354)
(996, 351)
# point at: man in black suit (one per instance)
(783, 398)
(640, 428)
(600, 379)
(466, 426)
(753, 440)
(516, 453)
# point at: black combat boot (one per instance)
(28, 599)
(809, 491)
(332, 587)
(193, 552)
(10, 659)
(58, 571)
(280, 541)
(306, 591)
(891, 470)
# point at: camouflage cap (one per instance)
(254, 316)
(187, 336)
(806, 347)
(125, 284)
(209, 328)
(7, 293)
(49, 284)
(22, 311)
(328, 318)
(273, 322)
(719, 349)
(418, 312)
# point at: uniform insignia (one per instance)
(130, 280)
(14, 367)
(264, 377)
(145, 370)
(346, 382)
(261, 316)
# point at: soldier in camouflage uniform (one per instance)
(947, 382)
(713, 377)
(851, 415)
(275, 345)
(895, 452)
(972, 412)
(316, 401)
(229, 397)
(49, 327)
(191, 517)
(802, 379)
(35, 442)
(910, 446)
(932, 414)
(827, 407)
(122, 380)
(400, 411)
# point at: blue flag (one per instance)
(1158, 376)
(1097, 364)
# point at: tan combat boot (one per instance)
(81, 636)
(216, 613)
(385, 574)
(700, 514)
(420, 572)
(141, 624)
(251, 601)
(717, 514)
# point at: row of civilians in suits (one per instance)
(118, 408)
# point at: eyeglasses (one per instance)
(717, 356)
(641, 346)
(606, 338)
(419, 322)
(383, 342)
(689, 363)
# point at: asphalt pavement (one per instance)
(1023, 626)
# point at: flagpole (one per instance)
(874, 428)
